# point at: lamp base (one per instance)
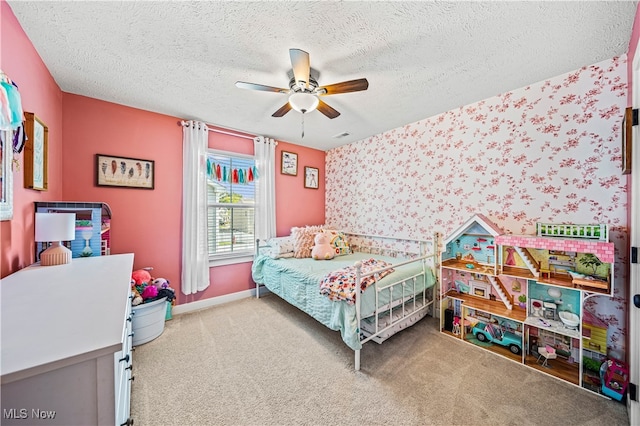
(57, 254)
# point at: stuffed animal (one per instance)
(141, 276)
(161, 283)
(140, 280)
(322, 249)
(149, 292)
(136, 299)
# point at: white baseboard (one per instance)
(218, 300)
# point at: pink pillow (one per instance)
(303, 240)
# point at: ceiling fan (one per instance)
(304, 91)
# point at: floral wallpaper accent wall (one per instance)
(547, 152)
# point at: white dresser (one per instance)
(66, 343)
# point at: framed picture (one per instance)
(627, 123)
(311, 175)
(124, 172)
(289, 163)
(35, 153)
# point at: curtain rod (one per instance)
(186, 124)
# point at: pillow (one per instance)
(303, 240)
(281, 245)
(339, 242)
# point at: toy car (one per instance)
(491, 333)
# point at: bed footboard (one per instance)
(401, 312)
(391, 304)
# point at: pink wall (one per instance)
(295, 204)
(42, 96)
(290, 195)
(144, 222)
(148, 223)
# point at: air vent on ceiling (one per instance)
(341, 135)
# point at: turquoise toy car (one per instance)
(491, 333)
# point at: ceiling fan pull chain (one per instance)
(303, 125)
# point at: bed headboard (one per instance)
(392, 246)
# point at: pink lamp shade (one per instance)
(54, 228)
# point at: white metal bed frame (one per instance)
(407, 305)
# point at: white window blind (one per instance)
(230, 204)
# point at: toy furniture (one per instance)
(552, 275)
(65, 355)
(456, 325)
(545, 272)
(546, 352)
(614, 378)
(588, 281)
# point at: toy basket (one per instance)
(148, 321)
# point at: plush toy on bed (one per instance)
(322, 249)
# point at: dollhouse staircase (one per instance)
(497, 285)
(528, 260)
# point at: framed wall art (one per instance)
(289, 163)
(124, 172)
(311, 176)
(36, 153)
(630, 119)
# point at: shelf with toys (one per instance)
(522, 296)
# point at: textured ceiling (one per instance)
(182, 58)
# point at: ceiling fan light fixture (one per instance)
(303, 102)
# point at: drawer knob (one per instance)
(132, 378)
(129, 422)
(125, 359)
(129, 367)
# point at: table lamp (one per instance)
(55, 228)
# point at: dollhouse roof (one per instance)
(589, 317)
(477, 224)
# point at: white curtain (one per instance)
(195, 256)
(265, 156)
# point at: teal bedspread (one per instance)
(298, 282)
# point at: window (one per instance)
(230, 205)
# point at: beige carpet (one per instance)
(263, 362)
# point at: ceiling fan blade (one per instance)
(345, 87)
(282, 111)
(262, 87)
(300, 65)
(327, 110)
